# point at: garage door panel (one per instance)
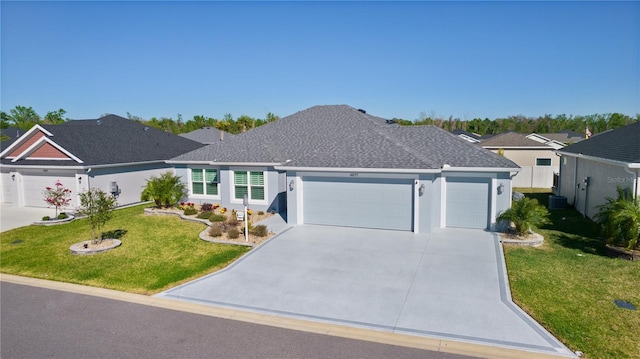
(369, 203)
(467, 203)
(35, 185)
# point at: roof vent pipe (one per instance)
(221, 135)
(361, 110)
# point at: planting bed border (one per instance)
(79, 249)
(534, 242)
(622, 253)
(55, 222)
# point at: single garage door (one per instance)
(34, 186)
(358, 202)
(467, 202)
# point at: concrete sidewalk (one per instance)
(449, 285)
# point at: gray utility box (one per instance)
(557, 202)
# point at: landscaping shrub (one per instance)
(190, 211)
(63, 216)
(217, 218)
(233, 222)
(165, 190)
(215, 231)
(260, 213)
(259, 230)
(227, 226)
(524, 214)
(620, 219)
(46, 218)
(205, 215)
(233, 233)
(206, 207)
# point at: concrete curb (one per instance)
(417, 342)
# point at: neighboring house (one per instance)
(467, 136)
(591, 170)
(566, 137)
(537, 159)
(207, 135)
(111, 153)
(337, 165)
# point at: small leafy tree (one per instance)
(526, 213)
(165, 190)
(620, 218)
(57, 196)
(98, 206)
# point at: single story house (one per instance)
(111, 153)
(591, 170)
(537, 159)
(338, 165)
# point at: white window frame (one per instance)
(232, 181)
(204, 195)
(544, 158)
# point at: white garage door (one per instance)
(34, 186)
(467, 202)
(358, 202)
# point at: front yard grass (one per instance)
(569, 286)
(156, 253)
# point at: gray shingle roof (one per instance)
(511, 139)
(621, 144)
(206, 135)
(340, 136)
(111, 140)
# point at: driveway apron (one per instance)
(449, 284)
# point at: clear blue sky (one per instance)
(393, 59)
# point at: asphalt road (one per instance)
(43, 323)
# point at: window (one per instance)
(543, 161)
(250, 183)
(204, 181)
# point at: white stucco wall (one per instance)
(603, 180)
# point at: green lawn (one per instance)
(157, 252)
(569, 286)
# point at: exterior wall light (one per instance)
(13, 177)
(291, 185)
(500, 188)
(421, 189)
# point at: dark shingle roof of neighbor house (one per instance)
(206, 135)
(621, 144)
(111, 140)
(340, 136)
(13, 133)
(511, 139)
(463, 132)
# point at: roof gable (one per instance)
(621, 144)
(25, 141)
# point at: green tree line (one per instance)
(25, 117)
(543, 124)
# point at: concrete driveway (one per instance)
(450, 284)
(14, 217)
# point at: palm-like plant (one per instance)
(620, 218)
(526, 213)
(165, 190)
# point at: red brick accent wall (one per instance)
(48, 151)
(36, 136)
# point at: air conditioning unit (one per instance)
(557, 202)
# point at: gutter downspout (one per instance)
(635, 180)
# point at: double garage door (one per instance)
(358, 202)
